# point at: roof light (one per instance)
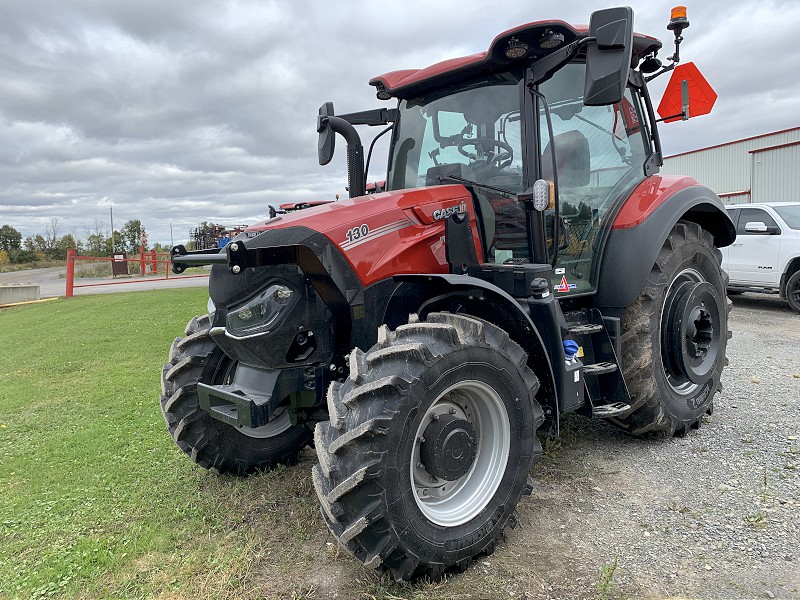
(678, 20)
(678, 12)
(516, 49)
(382, 93)
(550, 39)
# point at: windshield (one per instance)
(477, 128)
(790, 214)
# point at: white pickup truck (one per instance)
(766, 254)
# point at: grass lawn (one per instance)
(95, 499)
(97, 502)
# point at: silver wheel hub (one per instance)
(458, 467)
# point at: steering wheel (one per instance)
(481, 144)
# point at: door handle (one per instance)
(737, 243)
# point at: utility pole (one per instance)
(111, 208)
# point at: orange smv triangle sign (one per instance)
(701, 95)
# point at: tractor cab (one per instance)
(548, 102)
(499, 134)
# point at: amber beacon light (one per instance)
(678, 20)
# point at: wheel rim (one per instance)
(280, 420)
(452, 503)
(690, 331)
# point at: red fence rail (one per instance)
(145, 259)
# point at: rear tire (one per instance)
(792, 291)
(209, 442)
(429, 445)
(675, 335)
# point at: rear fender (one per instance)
(633, 244)
(423, 294)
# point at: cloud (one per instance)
(183, 111)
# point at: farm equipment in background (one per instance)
(289, 207)
(525, 260)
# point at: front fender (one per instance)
(478, 298)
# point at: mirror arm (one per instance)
(544, 68)
(373, 118)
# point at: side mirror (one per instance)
(755, 227)
(608, 58)
(760, 227)
(327, 137)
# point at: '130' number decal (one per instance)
(357, 232)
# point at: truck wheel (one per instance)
(674, 336)
(792, 291)
(211, 443)
(429, 445)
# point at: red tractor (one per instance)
(525, 261)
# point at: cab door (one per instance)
(597, 154)
(753, 257)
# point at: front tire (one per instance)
(675, 335)
(429, 445)
(209, 442)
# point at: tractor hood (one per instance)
(380, 235)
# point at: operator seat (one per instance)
(574, 170)
(572, 160)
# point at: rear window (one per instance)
(790, 214)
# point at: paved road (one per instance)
(52, 283)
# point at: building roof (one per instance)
(747, 139)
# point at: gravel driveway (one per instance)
(712, 515)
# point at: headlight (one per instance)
(262, 313)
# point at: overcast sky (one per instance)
(182, 111)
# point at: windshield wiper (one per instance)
(508, 193)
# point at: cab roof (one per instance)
(411, 82)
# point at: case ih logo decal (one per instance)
(440, 215)
(362, 234)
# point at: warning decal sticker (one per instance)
(564, 286)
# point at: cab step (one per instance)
(600, 368)
(607, 411)
(599, 341)
(585, 329)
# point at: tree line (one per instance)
(53, 245)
